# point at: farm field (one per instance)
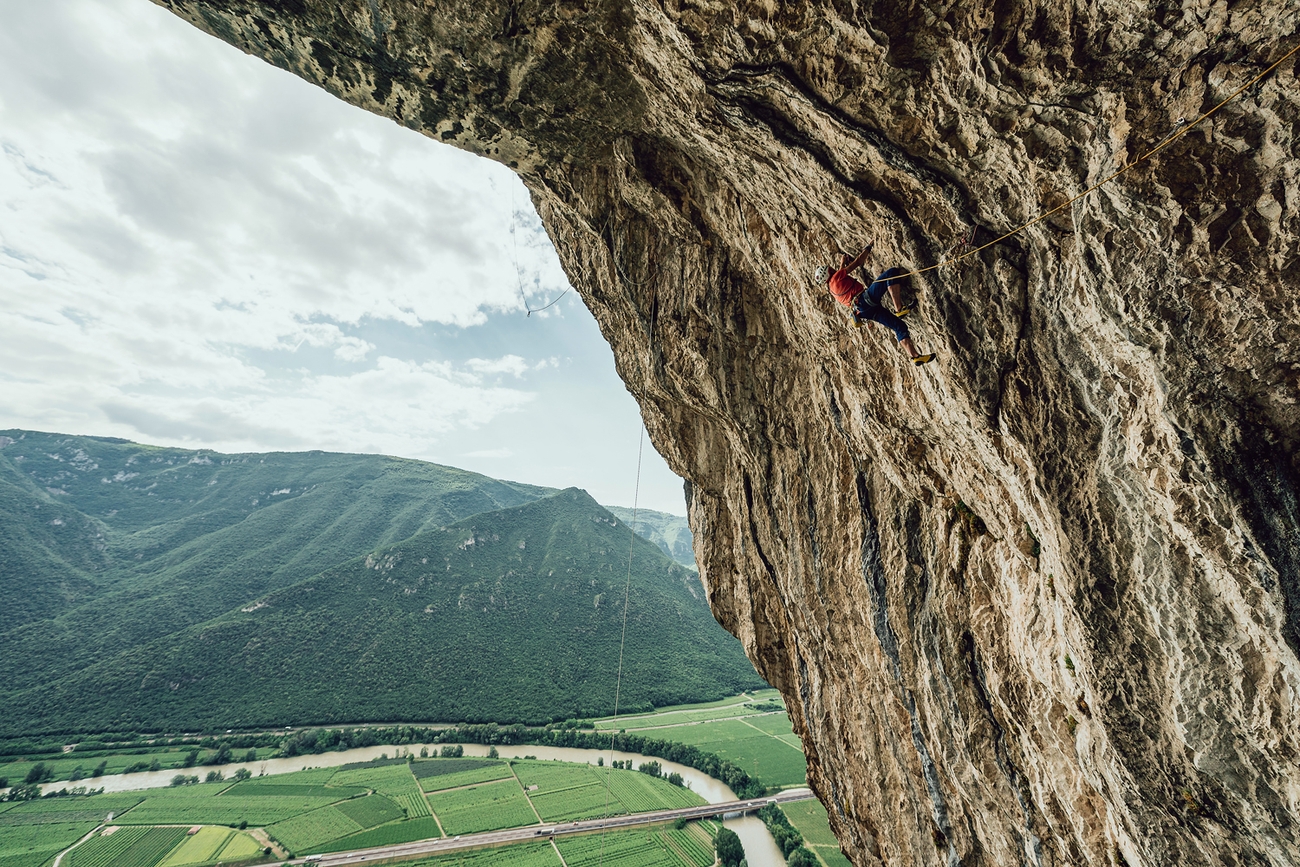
(33, 845)
(203, 845)
(303, 832)
(451, 773)
(518, 855)
(423, 828)
(748, 733)
(640, 793)
(104, 849)
(809, 817)
(677, 714)
(239, 847)
(394, 780)
(488, 807)
(220, 810)
(128, 847)
(634, 848)
(56, 810)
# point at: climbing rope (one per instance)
(514, 258)
(627, 590)
(1183, 129)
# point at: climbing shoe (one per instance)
(906, 310)
(918, 360)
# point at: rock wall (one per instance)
(1035, 603)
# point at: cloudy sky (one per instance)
(199, 250)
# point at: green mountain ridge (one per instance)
(366, 589)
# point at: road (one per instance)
(441, 845)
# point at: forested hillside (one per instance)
(148, 588)
(670, 532)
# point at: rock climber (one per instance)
(864, 303)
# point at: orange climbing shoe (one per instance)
(918, 360)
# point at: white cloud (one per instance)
(511, 364)
(198, 249)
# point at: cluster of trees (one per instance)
(730, 852)
(787, 837)
(33, 791)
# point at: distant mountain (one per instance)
(670, 532)
(148, 588)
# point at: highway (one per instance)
(441, 845)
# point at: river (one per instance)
(760, 848)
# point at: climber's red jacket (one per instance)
(844, 287)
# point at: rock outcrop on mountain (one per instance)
(1035, 603)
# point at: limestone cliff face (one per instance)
(1038, 602)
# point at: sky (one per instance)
(200, 250)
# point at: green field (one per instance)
(262, 789)
(94, 808)
(634, 848)
(436, 774)
(765, 756)
(239, 847)
(129, 847)
(199, 847)
(810, 818)
(372, 810)
(221, 810)
(303, 832)
(104, 850)
(424, 828)
(33, 845)
(641, 793)
(693, 844)
(488, 807)
(518, 855)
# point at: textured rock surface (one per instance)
(1039, 602)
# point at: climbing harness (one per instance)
(1181, 129)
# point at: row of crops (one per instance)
(636, 848)
(484, 773)
(139, 847)
(489, 807)
(423, 828)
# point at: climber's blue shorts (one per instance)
(867, 305)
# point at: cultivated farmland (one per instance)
(469, 772)
(636, 848)
(32, 845)
(94, 808)
(488, 807)
(301, 833)
(201, 846)
(424, 828)
(372, 810)
(518, 855)
(104, 850)
(144, 847)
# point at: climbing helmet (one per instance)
(822, 274)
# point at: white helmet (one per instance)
(822, 274)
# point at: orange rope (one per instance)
(1182, 131)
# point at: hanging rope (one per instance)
(1182, 130)
(627, 595)
(514, 258)
(627, 588)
